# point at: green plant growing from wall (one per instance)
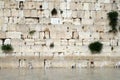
(32, 32)
(54, 12)
(113, 20)
(7, 48)
(95, 47)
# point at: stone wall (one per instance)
(70, 31)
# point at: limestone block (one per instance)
(30, 54)
(106, 1)
(97, 6)
(68, 6)
(13, 35)
(106, 49)
(29, 41)
(7, 12)
(86, 6)
(68, 35)
(15, 19)
(16, 48)
(76, 22)
(45, 5)
(78, 42)
(45, 21)
(31, 21)
(79, 6)
(42, 35)
(10, 20)
(64, 42)
(67, 13)
(25, 49)
(1, 22)
(81, 14)
(60, 34)
(84, 49)
(46, 13)
(33, 13)
(38, 27)
(72, 42)
(31, 5)
(27, 13)
(4, 27)
(2, 4)
(1, 12)
(2, 35)
(87, 21)
(91, 6)
(63, 6)
(51, 6)
(87, 14)
(56, 21)
(83, 35)
(56, 42)
(100, 22)
(73, 6)
(48, 42)
(53, 35)
(108, 7)
(37, 48)
(75, 35)
(41, 42)
(17, 42)
(13, 4)
(22, 28)
(7, 41)
(74, 14)
(60, 48)
(12, 27)
(5, 19)
(95, 35)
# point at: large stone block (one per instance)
(86, 6)
(2, 4)
(17, 42)
(1, 12)
(67, 13)
(2, 35)
(29, 42)
(13, 35)
(87, 21)
(7, 12)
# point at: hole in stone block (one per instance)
(80, 19)
(90, 17)
(61, 11)
(21, 5)
(40, 6)
(114, 1)
(54, 12)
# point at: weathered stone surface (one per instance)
(13, 35)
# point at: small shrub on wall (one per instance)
(95, 47)
(32, 32)
(7, 48)
(113, 20)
